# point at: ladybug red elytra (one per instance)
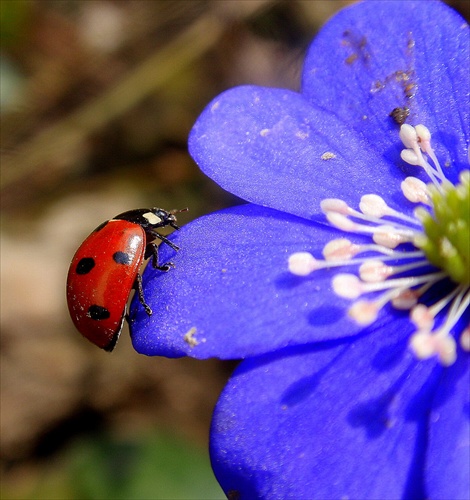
(105, 269)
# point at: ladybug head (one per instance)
(159, 218)
(151, 218)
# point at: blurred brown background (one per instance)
(97, 100)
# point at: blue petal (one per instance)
(377, 56)
(268, 146)
(338, 420)
(449, 434)
(232, 292)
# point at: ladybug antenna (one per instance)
(177, 211)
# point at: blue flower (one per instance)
(344, 281)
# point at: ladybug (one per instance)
(105, 269)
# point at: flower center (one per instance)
(419, 263)
(446, 237)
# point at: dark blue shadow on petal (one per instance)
(323, 315)
(377, 415)
(301, 390)
(438, 388)
(425, 399)
(373, 415)
(466, 411)
(418, 410)
(390, 356)
(256, 362)
(415, 482)
(420, 404)
(239, 484)
(446, 143)
(288, 280)
(306, 386)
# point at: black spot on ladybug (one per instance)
(101, 226)
(98, 312)
(121, 258)
(85, 265)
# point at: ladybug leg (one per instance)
(152, 251)
(140, 293)
(165, 240)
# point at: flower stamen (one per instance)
(415, 190)
(416, 141)
(436, 254)
(390, 235)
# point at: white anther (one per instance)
(426, 344)
(364, 312)
(446, 349)
(373, 205)
(422, 317)
(374, 271)
(465, 339)
(334, 205)
(347, 286)
(405, 300)
(388, 237)
(302, 263)
(408, 136)
(340, 249)
(415, 190)
(422, 344)
(417, 139)
(424, 137)
(341, 221)
(410, 157)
